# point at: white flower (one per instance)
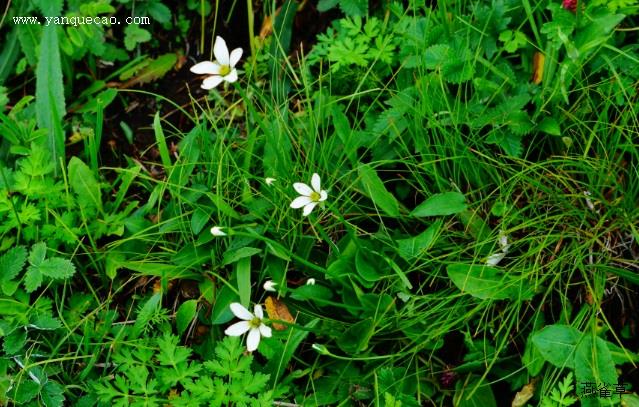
(310, 281)
(217, 231)
(495, 258)
(269, 181)
(269, 285)
(251, 323)
(310, 197)
(223, 69)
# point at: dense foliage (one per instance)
(435, 202)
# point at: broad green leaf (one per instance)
(369, 265)
(374, 188)
(32, 279)
(355, 339)
(50, 106)
(9, 54)
(277, 365)
(593, 363)
(84, 184)
(312, 293)
(199, 219)
(231, 256)
(446, 203)
(45, 322)
(467, 394)
(413, 247)
(15, 341)
(221, 312)
(482, 281)
(185, 315)
(549, 126)
(557, 344)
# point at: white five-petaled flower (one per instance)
(269, 181)
(310, 197)
(251, 323)
(222, 69)
(269, 285)
(217, 231)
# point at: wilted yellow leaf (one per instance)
(523, 395)
(277, 310)
(538, 67)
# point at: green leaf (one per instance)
(52, 394)
(134, 35)
(45, 322)
(355, 339)
(557, 344)
(199, 219)
(57, 268)
(243, 270)
(314, 292)
(185, 315)
(159, 12)
(354, 8)
(446, 203)
(374, 188)
(32, 279)
(467, 394)
(161, 142)
(325, 5)
(593, 363)
(50, 106)
(367, 264)
(15, 341)
(413, 247)
(484, 282)
(549, 126)
(146, 313)
(84, 184)
(11, 263)
(231, 256)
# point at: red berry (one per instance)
(570, 5)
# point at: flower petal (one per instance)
(231, 77)
(237, 328)
(239, 311)
(253, 339)
(221, 51)
(308, 208)
(302, 188)
(323, 195)
(206, 67)
(300, 201)
(211, 82)
(258, 311)
(315, 182)
(236, 54)
(265, 331)
(494, 259)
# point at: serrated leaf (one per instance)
(11, 263)
(447, 203)
(375, 189)
(508, 141)
(57, 268)
(152, 70)
(150, 307)
(52, 394)
(84, 184)
(134, 35)
(15, 341)
(45, 322)
(32, 279)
